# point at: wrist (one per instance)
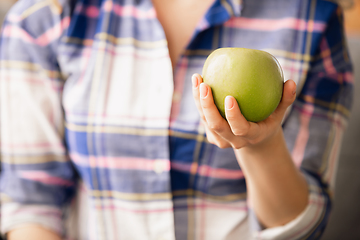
(277, 190)
(270, 145)
(268, 155)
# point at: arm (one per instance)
(277, 191)
(32, 232)
(37, 178)
(313, 132)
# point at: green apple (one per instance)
(253, 77)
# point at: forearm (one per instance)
(32, 232)
(277, 190)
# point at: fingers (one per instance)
(215, 139)
(288, 97)
(239, 125)
(196, 80)
(237, 132)
(213, 118)
(212, 136)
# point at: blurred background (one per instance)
(345, 218)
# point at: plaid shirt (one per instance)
(100, 139)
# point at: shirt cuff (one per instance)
(308, 225)
(15, 215)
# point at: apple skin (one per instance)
(253, 77)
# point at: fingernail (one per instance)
(203, 91)
(195, 81)
(229, 103)
(294, 92)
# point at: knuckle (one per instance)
(219, 143)
(231, 117)
(241, 132)
(204, 103)
(216, 127)
(222, 145)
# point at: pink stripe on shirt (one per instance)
(43, 177)
(49, 36)
(303, 136)
(121, 162)
(274, 24)
(326, 56)
(129, 11)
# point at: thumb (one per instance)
(288, 97)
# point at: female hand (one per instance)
(277, 190)
(237, 132)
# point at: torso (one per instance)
(179, 19)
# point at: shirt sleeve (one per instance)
(314, 129)
(37, 178)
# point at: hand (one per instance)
(237, 132)
(32, 232)
(261, 151)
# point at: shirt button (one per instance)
(159, 166)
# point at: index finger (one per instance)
(212, 115)
(196, 81)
